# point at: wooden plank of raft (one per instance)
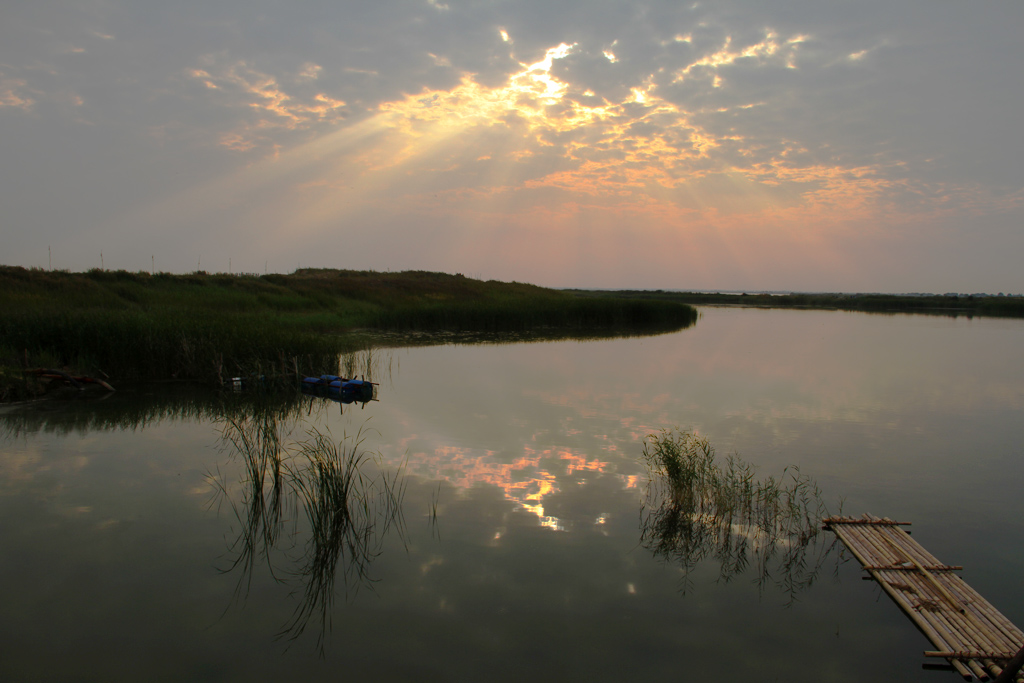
(967, 631)
(924, 572)
(971, 655)
(861, 552)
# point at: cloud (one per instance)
(459, 127)
(14, 93)
(309, 72)
(267, 101)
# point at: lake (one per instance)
(500, 521)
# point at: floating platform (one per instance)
(340, 388)
(965, 629)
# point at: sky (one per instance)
(769, 145)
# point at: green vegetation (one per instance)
(698, 508)
(969, 305)
(210, 326)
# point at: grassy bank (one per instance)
(934, 304)
(204, 326)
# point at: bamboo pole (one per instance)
(862, 546)
(941, 628)
(1009, 631)
(883, 550)
(978, 670)
(978, 626)
(982, 610)
(984, 636)
(924, 572)
(968, 636)
(921, 623)
(969, 654)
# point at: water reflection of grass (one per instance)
(696, 509)
(139, 406)
(349, 506)
(350, 513)
(256, 438)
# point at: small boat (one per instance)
(340, 388)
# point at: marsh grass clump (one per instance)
(535, 311)
(697, 507)
(342, 502)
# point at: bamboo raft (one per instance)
(965, 629)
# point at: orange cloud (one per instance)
(14, 93)
(539, 160)
(268, 98)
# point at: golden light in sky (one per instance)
(583, 160)
(640, 156)
(672, 145)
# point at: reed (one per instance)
(205, 326)
(538, 313)
(697, 508)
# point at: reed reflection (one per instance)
(697, 509)
(310, 510)
(139, 406)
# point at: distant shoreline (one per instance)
(969, 305)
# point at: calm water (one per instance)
(518, 552)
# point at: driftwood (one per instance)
(1013, 667)
(78, 382)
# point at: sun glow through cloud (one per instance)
(567, 147)
(647, 153)
(542, 154)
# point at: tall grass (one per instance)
(174, 345)
(698, 508)
(206, 326)
(517, 315)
